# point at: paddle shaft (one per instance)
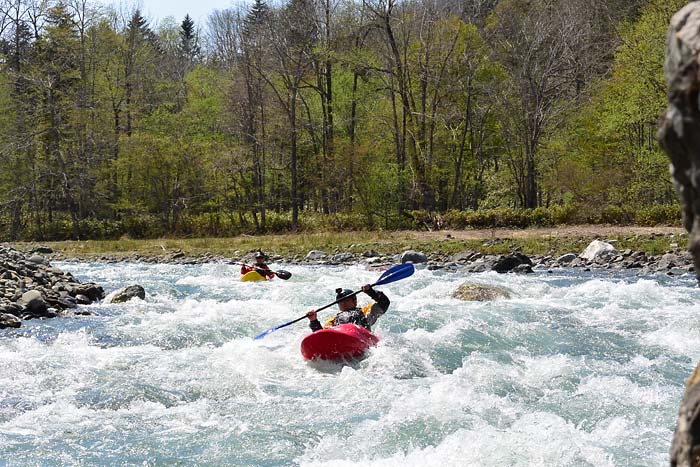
(341, 299)
(265, 333)
(394, 274)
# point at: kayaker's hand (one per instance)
(312, 315)
(366, 288)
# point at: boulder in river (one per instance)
(93, 291)
(37, 259)
(128, 293)
(479, 293)
(82, 299)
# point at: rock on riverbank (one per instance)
(31, 288)
(598, 255)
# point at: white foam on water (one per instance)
(535, 440)
(569, 371)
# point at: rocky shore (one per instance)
(598, 255)
(31, 288)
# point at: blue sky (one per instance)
(156, 10)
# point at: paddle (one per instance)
(393, 274)
(284, 275)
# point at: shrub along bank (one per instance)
(218, 225)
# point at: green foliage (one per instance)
(608, 153)
(669, 214)
(111, 129)
(547, 217)
(613, 215)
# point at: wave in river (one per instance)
(575, 369)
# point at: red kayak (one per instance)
(337, 343)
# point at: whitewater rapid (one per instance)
(575, 369)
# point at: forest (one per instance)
(300, 115)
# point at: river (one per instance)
(575, 369)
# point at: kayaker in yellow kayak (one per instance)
(260, 267)
(350, 312)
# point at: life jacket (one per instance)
(354, 315)
(258, 268)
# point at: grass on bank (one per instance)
(385, 243)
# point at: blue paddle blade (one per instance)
(265, 333)
(398, 272)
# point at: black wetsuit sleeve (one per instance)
(264, 270)
(315, 325)
(379, 297)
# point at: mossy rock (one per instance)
(479, 293)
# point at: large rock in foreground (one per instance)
(680, 136)
(680, 126)
(685, 450)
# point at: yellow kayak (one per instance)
(252, 276)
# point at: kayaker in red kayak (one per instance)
(260, 267)
(350, 312)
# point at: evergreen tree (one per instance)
(256, 16)
(189, 41)
(17, 46)
(58, 64)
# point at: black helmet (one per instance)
(342, 293)
(260, 254)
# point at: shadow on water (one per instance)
(334, 367)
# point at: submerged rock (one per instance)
(479, 293)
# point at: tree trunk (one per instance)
(293, 161)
